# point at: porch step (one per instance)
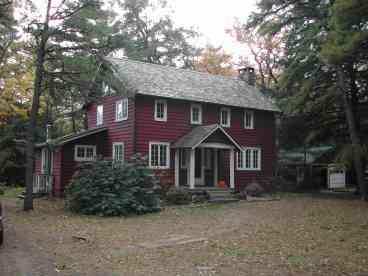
(221, 196)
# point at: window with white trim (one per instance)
(249, 159)
(99, 115)
(248, 119)
(121, 110)
(225, 117)
(118, 152)
(160, 110)
(159, 155)
(46, 161)
(196, 114)
(84, 153)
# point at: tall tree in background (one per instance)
(155, 40)
(266, 51)
(313, 81)
(216, 61)
(346, 50)
(73, 72)
(55, 40)
(7, 31)
(41, 38)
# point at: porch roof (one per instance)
(71, 137)
(199, 134)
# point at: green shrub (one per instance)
(177, 196)
(101, 188)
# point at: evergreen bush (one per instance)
(108, 189)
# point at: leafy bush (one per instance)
(101, 188)
(254, 189)
(177, 196)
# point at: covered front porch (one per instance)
(205, 157)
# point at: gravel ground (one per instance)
(298, 235)
(19, 257)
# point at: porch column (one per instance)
(215, 168)
(192, 169)
(177, 168)
(232, 167)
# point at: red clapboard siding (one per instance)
(122, 131)
(178, 124)
(69, 166)
(140, 128)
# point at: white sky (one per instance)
(210, 18)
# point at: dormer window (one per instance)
(121, 110)
(196, 114)
(99, 115)
(225, 117)
(160, 110)
(248, 119)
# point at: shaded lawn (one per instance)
(298, 235)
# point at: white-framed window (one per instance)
(248, 119)
(225, 117)
(121, 110)
(46, 161)
(184, 158)
(160, 110)
(249, 159)
(196, 114)
(159, 155)
(99, 115)
(84, 153)
(118, 152)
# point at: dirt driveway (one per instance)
(304, 235)
(19, 256)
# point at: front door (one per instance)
(198, 167)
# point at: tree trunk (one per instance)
(354, 134)
(31, 131)
(73, 119)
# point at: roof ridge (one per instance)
(181, 69)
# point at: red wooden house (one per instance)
(198, 128)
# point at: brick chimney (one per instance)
(248, 75)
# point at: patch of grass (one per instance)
(200, 210)
(235, 251)
(296, 260)
(11, 193)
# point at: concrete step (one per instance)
(219, 192)
(221, 196)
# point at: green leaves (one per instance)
(154, 40)
(102, 188)
(348, 31)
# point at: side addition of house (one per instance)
(197, 129)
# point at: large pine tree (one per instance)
(325, 48)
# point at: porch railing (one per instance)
(42, 184)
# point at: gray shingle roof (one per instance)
(198, 134)
(72, 137)
(171, 82)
